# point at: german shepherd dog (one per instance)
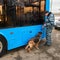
(33, 42)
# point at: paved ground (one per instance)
(44, 53)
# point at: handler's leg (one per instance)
(48, 37)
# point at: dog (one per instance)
(33, 42)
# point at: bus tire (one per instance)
(3, 46)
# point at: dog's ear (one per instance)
(40, 33)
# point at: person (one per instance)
(49, 23)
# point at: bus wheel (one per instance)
(3, 46)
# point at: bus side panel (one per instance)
(47, 5)
(19, 36)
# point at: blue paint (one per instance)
(20, 35)
(47, 5)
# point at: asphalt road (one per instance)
(44, 53)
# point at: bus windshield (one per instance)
(15, 13)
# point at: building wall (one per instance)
(55, 6)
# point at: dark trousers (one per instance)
(48, 35)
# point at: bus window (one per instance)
(31, 14)
(42, 9)
(23, 12)
(11, 16)
(7, 14)
(2, 24)
(0, 9)
(42, 5)
(20, 17)
(0, 15)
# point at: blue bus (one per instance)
(20, 20)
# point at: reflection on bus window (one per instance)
(1, 17)
(0, 9)
(42, 5)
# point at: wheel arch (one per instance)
(5, 40)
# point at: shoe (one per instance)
(47, 44)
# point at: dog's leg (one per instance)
(26, 47)
(29, 50)
(37, 44)
(42, 42)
